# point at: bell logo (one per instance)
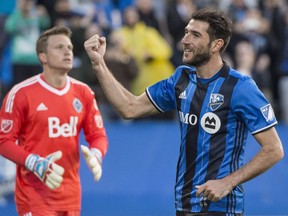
(64, 130)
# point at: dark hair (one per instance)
(220, 26)
(41, 44)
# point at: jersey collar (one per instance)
(52, 89)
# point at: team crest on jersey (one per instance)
(267, 112)
(77, 105)
(216, 100)
(6, 125)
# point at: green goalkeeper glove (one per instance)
(93, 159)
(45, 169)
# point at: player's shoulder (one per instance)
(244, 81)
(20, 92)
(238, 75)
(24, 86)
(183, 69)
(244, 84)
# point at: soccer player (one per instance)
(41, 119)
(216, 108)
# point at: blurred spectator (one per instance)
(122, 65)
(225, 5)
(274, 10)
(249, 44)
(147, 13)
(82, 70)
(262, 75)
(82, 6)
(50, 8)
(255, 27)
(6, 8)
(248, 62)
(244, 57)
(65, 15)
(100, 12)
(78, 27)
(178, 15)
(24, 26)
(248, 24)
(122, 4)
(237, 10)
(148, 47)
(102, 15)
(283, 79)
(152, 13)
(62, 13)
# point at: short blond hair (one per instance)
(41, 44)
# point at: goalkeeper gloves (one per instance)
(93, 159)
(45, 169)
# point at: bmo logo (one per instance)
(188, 118)
(64, 130)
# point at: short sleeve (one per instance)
(252, 107)
(162, 94)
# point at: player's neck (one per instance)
(55, 80)
(210, 69)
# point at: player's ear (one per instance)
(217, 45)
(42, 58)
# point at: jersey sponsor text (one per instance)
(188, 118)
(65, 130)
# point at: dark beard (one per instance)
(200, 59)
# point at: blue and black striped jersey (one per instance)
(215, 116)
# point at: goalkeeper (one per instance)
(41, 119)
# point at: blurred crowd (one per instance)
(144, 41)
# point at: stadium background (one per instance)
(139, 173)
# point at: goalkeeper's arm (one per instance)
(93, 158)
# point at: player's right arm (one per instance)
(11, 119)
(11, 123)
(128, 105)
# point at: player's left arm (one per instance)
(270, 153)
(95, 135)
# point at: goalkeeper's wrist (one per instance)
(97, 153)
(30, 161)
